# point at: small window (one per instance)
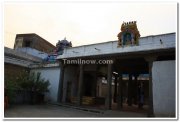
(27, 43)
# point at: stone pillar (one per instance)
(120, 93)
(61, 80)
(109, 83)
(150, 60)
(95, 83)
(115, 89)
(80, 89)
(136, 89)
(130, 90)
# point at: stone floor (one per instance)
(48, 111)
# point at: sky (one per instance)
(85, 23)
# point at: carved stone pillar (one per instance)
(150, 60)
(81, 73)
(120, 93)
(115, 89)
(136, 89)
(109, 83)
(61, 80)
(130, 90)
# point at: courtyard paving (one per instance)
(48, 111)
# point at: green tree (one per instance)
(31, 82)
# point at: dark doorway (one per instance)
(88, 84)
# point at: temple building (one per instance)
(130, 73)
(142, 72)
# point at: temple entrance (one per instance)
(88, 84)
(130, 84)
(124, 86)
(133, 78)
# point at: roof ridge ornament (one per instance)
(129, 34)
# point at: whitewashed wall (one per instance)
(148, 43)
(51, 74)
(33, 52)
(163, 74)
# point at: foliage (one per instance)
(28, 82)
(33, 82)
(10, 87)
(22, 79)
(37, 84)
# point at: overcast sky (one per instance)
(85, 22)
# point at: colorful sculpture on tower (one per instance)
(129, 34)
(60, 46)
